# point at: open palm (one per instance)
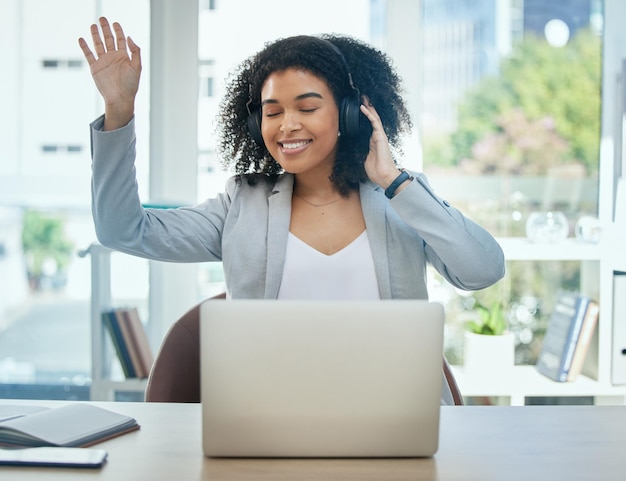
(115, 72)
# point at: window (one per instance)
(510, 126)
(504, 133)
(468, 53)
(45, 216)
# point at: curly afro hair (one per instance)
(372, 74)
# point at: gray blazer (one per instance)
(246, 227)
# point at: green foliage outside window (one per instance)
(44, 241)
(542, 110)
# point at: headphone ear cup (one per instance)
(349, 117)
(254, 127)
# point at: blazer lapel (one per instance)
(374, 205)
(277, 232)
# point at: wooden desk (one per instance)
(476, 443)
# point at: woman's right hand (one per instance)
(115, 73)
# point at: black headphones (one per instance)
(349, 108)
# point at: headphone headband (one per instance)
(345, 64)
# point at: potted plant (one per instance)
(488, 346)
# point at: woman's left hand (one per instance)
(379, 164)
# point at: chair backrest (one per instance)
(175, 373)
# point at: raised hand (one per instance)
(115, 72)
(379, 164)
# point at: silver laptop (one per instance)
(321, 379)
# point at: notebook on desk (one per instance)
(321, 379)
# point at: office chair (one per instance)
(175, 374)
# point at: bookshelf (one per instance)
(525, 381)
(598, 263)
(103, 386)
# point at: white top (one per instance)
(344, 275)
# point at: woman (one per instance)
(318, 207)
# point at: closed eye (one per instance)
(276, 114)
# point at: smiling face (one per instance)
(300, 121)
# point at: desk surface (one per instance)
(476, 443)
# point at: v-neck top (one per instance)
(347, 274)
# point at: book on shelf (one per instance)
(138, 341)
(567, 338)
(584, 340)
(127, 344)
(109, 319)
(71, 425)
(130, 341)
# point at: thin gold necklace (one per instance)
(316, 205)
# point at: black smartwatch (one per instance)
(391, 190)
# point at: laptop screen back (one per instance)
(321, 379)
